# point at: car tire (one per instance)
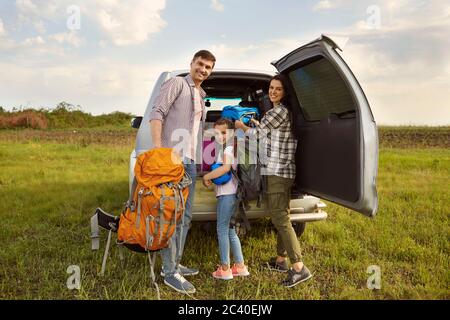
(299, 228)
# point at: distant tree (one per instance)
(63, 106)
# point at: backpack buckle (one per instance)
(130, 205)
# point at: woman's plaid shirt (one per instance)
(277, 143)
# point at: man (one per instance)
(178, 111)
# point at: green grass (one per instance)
(49, 190)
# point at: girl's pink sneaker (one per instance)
(239, 271)
(221, 274)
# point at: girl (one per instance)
(226, 204)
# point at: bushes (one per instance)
(64, 116)
(23, 119)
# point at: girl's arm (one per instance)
(226, 167)
(240, 125)
(256, 122)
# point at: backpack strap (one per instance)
(130, 203)
(151, 256)
(160, 219)
(151, 260)
(139, 209)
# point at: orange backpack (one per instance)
(158, 201)
(155, 207)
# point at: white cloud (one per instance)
(124, 22)
(70, 38)
(224, 50)
(34, 49)
(36, 14)
(5, 42)
(217, 6)
(403, 66)
(98, 85)
(2, 29)
(252, 56)
(130, 22)
(35, 41)
(326, 5)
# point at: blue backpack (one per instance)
(243, 114)
(223, 178)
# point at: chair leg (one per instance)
(105, 256)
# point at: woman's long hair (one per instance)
(284, 82)
(286, 97)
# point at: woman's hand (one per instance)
(256, 122)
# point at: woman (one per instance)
(279, 166)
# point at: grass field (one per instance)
(51, 183)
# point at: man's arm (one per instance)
(156, 129)
(169, 92)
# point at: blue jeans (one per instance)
(227, 236)
(173, 253)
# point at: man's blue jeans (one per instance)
(174, 251)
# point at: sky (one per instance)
(105, 55)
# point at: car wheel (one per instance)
(299, 228)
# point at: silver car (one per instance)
(337, 154)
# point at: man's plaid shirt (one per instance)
(279, 142)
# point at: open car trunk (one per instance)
(226, 86)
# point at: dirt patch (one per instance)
(414, 137)
(26, 119)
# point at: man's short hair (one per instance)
(205, 54)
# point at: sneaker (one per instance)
(179, 283)
(221, 274)
(273, 265)
(184, 271)
(295, 277)
(239, 272)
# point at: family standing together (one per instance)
(180, 105)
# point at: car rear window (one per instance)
(219, 103)
(320, 90)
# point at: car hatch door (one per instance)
(337, 152)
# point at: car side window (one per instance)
(320, 90)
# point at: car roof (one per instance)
(243, 71)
